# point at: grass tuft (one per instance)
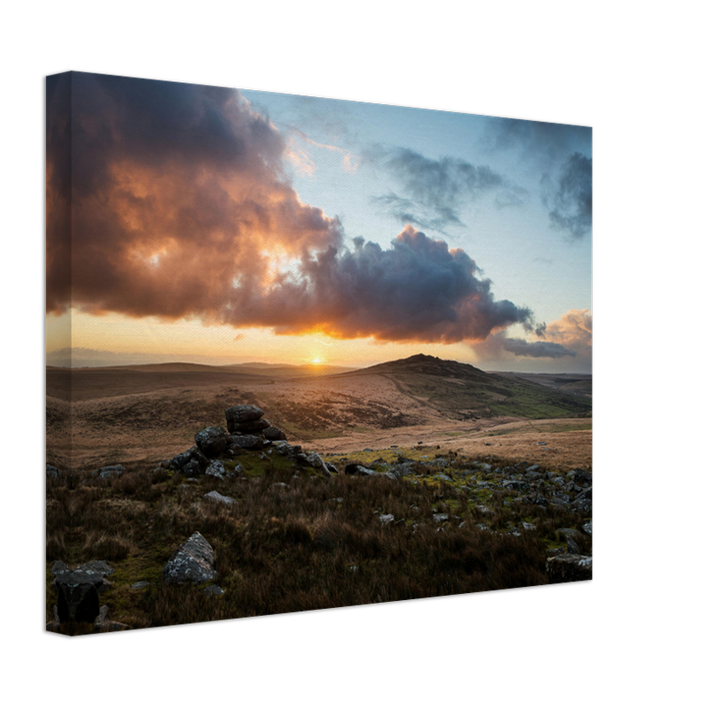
(289, 544)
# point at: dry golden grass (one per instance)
(332, 414)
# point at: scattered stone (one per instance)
(212, 441)
(79, 587)
(237, 443)
(238, 414)
(217, 469)
(315, 461)
(588, 527)
(213, 591)
(274, 434)
(402, 469)
(107, 471)
(440, 517)
(583, 501)
(58, 568)
(216, 497)
(102, 624)
(568, 568)
(359, 469)
(387, 518)
(281, 485)
(528, 526)
(252, 427)
(443, 477)
(192, 562)
(287, 450)
(139, 585)
(190, 463)
(238, 469)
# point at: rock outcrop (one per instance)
(246, 430)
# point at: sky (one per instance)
(216, 225)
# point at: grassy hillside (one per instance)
(461, 391)
(296, 540)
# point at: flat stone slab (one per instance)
(78, 595)
(243, 413)
(78, 589)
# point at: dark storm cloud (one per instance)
(561, 154)
(434, 189)
(417, 290)
(406, 211)
(541, 143)
(536, 349)
(58, 187)
(181, 208)
(570, 202)
(178, 190)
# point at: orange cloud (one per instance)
(573, 330)
(181, 208)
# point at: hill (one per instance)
(284, 370)
(461, 391)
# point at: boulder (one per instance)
(240, 442)
(217, 469)
(107, 471)
(583, 501)
(212, 441)
(252, 427)
(189, 463)
(103, 625)
(274, 434)
(354, 468)
(315, 461)
(216, 497)
(287, 450)
(78, 595)
(192, 562)
(568, 568)
(238, 414)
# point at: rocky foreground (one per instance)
(224, 452)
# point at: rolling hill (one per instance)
(461, 391)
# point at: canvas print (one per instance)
(306, 353)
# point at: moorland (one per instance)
(444, 479)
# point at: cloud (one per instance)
(178, 194)
(542, 144)
(181, 208)
(571, 335)
(417, 290)
(436, 189)
(570, 198)
(562, 155)
(536, 349)
(573, 330)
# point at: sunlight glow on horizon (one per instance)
(262, 227)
